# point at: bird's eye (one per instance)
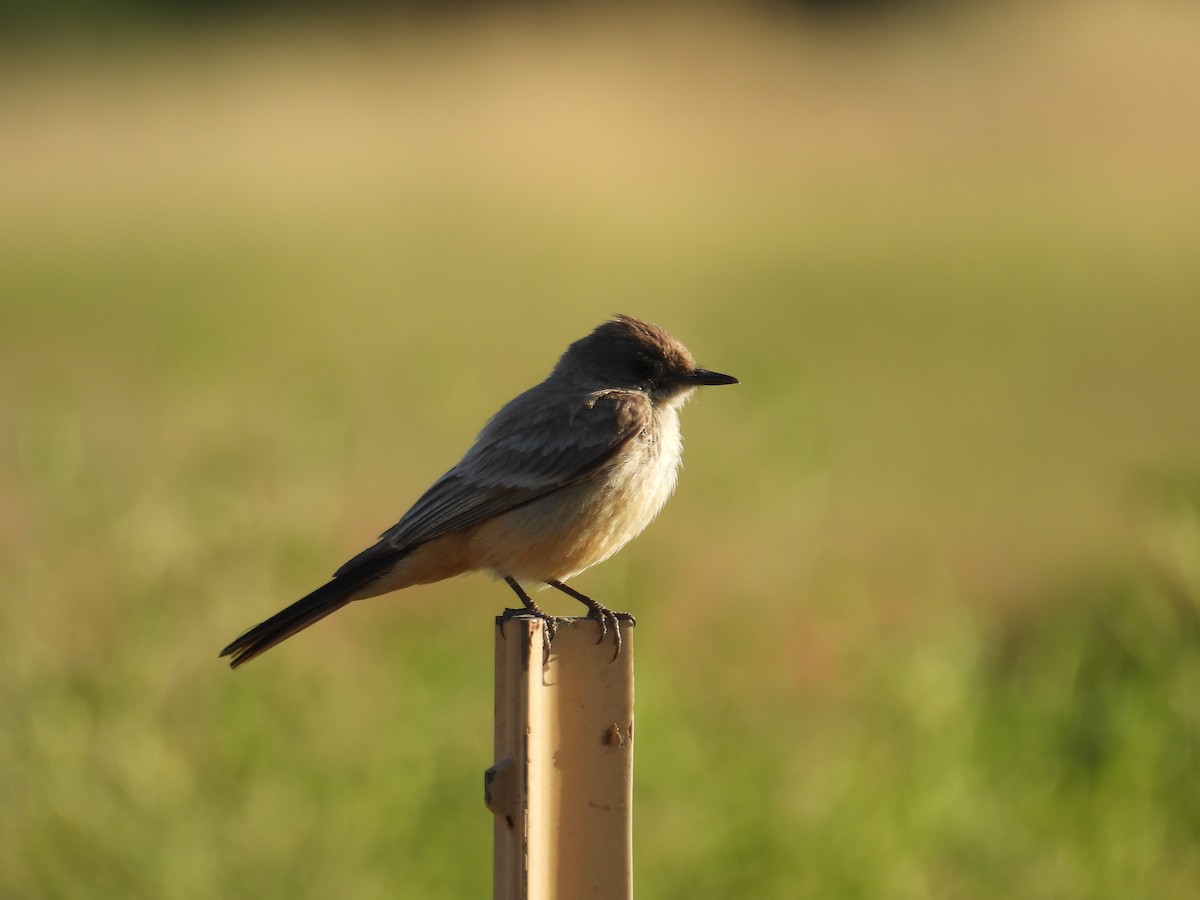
(642, 368)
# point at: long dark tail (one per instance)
(308, 610)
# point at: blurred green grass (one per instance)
(921, 621)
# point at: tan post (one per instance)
(562, 784)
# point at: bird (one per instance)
(558, 480)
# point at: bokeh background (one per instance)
(922, 620)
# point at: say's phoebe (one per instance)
(559, 480)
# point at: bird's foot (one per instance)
(601, 613)
(550, 623)
(607, 617)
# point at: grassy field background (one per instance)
(922, 620)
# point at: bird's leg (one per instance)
(551, 621)
(600, 613)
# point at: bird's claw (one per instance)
(607, 617)
(600, 613)
(549, 625)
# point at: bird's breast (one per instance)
(563, 533)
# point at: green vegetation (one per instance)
(922, 621)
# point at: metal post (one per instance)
(562, 784)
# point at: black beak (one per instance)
(704, 376)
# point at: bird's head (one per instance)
(631, 354)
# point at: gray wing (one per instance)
(537, 444)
